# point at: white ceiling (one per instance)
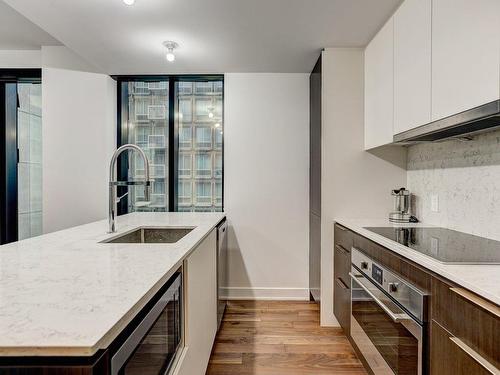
(18, 33)
(214, 35)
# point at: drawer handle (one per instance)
(475, 356)
(341, 249)
(471, 297)
(340, 283)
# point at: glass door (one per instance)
(21, 154)
(148, 128)
(393, 346)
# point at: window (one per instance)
(179, 117)
(185, 194)
(147, 127)
(185, 137)
(185, 167)
(185, 110)
(203, 138)
(203, 166)
(204, 103)
(203, 109)
(218, 165)
(203, 194)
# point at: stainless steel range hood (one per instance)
(477, 120)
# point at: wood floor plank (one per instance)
(278, 338)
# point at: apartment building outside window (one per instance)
(178, 122)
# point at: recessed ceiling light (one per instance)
(129, 2)
(170, 46)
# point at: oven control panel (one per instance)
(395, 287)
(377, 274)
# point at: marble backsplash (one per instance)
(465, 175)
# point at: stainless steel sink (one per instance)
(151, 235)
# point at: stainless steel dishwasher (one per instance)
(221, 269)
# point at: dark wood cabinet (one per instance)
(462, 335)
(472, 325)
(447, 358)
(315, 182)
(342, 282)
(343, 237)
(98, 364)
(342, 304)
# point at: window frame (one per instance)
(174, 148)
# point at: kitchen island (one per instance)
(70, 295)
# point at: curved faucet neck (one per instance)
(113, 200)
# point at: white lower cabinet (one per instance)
(200, 301)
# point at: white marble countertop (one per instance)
(64, 293)
(481, 279)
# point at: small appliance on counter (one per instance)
(401, 213)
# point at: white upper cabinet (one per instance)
(412, 65)
(465, 55)
(379, 88)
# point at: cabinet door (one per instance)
(201, 307)
(447, 358)
(465, 55)
(412, 65)
(342, 304)
(379, 88)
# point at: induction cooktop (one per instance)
(444, 245)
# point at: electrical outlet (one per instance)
(434, 203)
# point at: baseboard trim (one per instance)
(278, 294)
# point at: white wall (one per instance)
(20, 59)
(266, 192)
(355, 183)
(79, 127)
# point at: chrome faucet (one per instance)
(113, 183)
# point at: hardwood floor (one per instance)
(278, 338)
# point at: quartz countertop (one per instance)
(67, 294)
(482, 279)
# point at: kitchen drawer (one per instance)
(343, 237)
(448, 358)
(469, 318)
(342, 303)
(342, 263)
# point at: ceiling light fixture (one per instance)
(170, 46)
(129, 2)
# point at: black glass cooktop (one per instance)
(445, 245)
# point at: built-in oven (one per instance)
(153, 345)
(388, 318)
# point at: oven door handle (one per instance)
(395, 317)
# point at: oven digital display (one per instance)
(377, 274)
